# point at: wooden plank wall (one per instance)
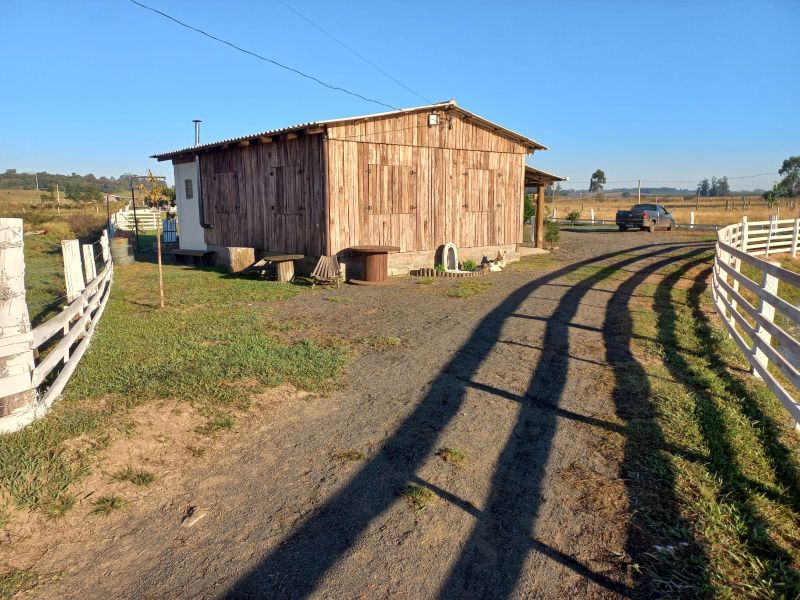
(269, 196)
(397, 181)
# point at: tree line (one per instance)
(714, 188)
(78, 185)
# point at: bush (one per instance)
(440, 268)
(529, 208)
(468, 265)
(573, 216)
(85, 225)
(551, 232)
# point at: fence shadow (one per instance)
(656, 519)
(736, 489)
(295, 568)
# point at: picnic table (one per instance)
(376, 264)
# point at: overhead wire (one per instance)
(264, 58)
(355, 53)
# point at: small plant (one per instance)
(424, 281)
(439, 268)
(58, 506)
(105, 505)
(217, 423)
(573, 216)
(468, 265)
(452, 456)
(418, 497)
(349, 455)
(468, 289)
(552, 233)
(134, 476)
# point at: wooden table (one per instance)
(376, 264)
(202, 258)
(284, 265)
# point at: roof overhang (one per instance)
(534, 177)
(316, 127)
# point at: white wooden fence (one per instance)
(30, 383)
(149, 219)
(753, 328)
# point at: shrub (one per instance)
(573, 216)
(440, 268)
(85, 225)
(468, 265)
(552, 233)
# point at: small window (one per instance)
(189, 187)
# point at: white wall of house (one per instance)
(189, 229)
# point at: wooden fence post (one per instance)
(89, 265)
(743, 246)
(104, 246)
(795, 237)
(16, 338)
(73, 273)
(769, 285)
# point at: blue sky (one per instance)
(672, 90)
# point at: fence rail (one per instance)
(31, 381)
(753, 327)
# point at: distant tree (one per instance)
(703, 188)
(790, 184)
(723, 188)
(72, 191)
(626, 194)
(771, 197)
(597, 181)
(714, 190)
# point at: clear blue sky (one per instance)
(653, 90)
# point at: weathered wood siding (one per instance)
(397, 181)
(267, 196)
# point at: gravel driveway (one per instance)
(304, 498)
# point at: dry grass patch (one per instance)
(134, 476)
(105, 505)
(350, 455)
(453, 456)
(418, 497)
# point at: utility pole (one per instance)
(37, 181)
(639, 192)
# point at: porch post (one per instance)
(539, 237)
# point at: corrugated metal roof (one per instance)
(533, 172)
(451, 104)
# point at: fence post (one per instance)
(795, 236)
(16, 338)
(743, 247)
(104, 245)
(73, 273)
(769, 285)
(89, 265)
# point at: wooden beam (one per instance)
(291, 136)
(264, 139)
(243, 144)
(540, 217)
(315, 130)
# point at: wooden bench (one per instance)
(284, 265)
(202, 258)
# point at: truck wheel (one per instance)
(671, 225)
(623, 228)
(652, 227)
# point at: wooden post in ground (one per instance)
(743, 237)
(769, 285)
(795, 237)
(16, 339)
(104, 246)
(540, 216)
(89, 265)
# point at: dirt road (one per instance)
(304, 499)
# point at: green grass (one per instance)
(216, 424)
(418, 497)
(469, 288)
(44, 277)
(214, 346)
(105, 505)
(16, 581)
(453, 456)
(134, 476)
(424, 280)
(712, 458)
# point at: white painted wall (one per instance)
(189, 229)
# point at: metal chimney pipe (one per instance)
(196, 131)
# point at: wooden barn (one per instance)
(415, 179)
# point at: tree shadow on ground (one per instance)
(296, 567)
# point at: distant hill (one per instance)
(11, 179)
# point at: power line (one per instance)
(677, 180)
(354, 53)
(264, 58)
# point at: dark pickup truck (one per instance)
(645, 216)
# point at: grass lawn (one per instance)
(213, 347)
(712, 458)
